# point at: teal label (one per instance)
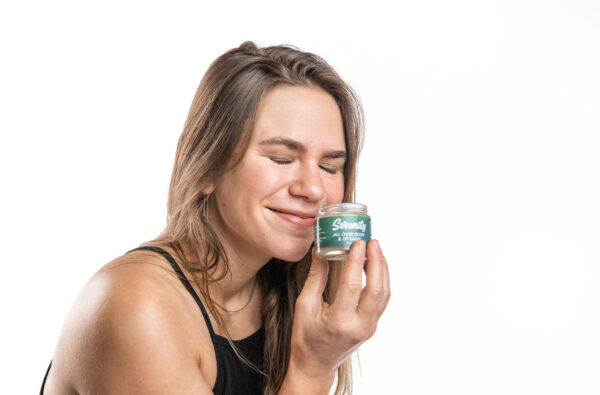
(342, 230)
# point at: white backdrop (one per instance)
(481, 170)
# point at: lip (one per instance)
(299, 218)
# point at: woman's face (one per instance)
(265, 205)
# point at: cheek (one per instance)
(257, 178)
(335, 189)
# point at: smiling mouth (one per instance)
(288, 213)
(299, 219)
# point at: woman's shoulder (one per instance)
(131, 317)
(140, 280)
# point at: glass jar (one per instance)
(338, 226)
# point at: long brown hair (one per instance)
(215, 136)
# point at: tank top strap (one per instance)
(183, 279)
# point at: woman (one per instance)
(272, 133)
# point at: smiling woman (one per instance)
(282, 177)
(230, 297)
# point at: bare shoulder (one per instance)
(129, 331)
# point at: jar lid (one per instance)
(342, 208)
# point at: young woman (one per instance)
(230, 298)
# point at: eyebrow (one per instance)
(297, 146)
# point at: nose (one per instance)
(308, 183)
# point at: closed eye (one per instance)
(330, 170)
(280, 160)
(286, 161)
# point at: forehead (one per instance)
(307, 114)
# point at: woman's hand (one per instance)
(324, 335)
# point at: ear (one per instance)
(209, 188)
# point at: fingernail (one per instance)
(314, 253)
(362, 245)
(376, 245)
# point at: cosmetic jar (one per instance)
(338, 226)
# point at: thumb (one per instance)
(315, 283)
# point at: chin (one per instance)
(293, 253)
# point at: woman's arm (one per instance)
(297, 382)
(125, 335)
(324, 335)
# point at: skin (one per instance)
(135, 329)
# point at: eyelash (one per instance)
(284, 161)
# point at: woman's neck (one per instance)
(237, 285)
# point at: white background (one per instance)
(481, 170)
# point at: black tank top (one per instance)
(233, 376)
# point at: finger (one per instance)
(386, 283)
(374, 292)
(349, 289)
(386, 286)
(315, 281)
